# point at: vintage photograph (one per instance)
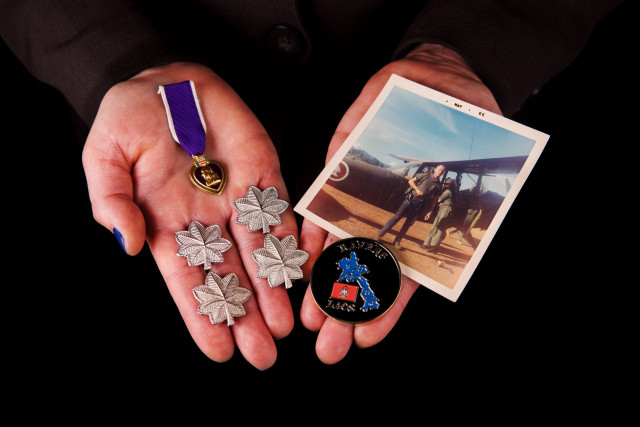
(429, 176)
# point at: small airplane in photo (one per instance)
(365, 178)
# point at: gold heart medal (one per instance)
(189, 131)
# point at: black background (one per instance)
(93, 326)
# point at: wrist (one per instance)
(442, 56)
(445, 70)
(174, 72)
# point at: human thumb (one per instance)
(111, 193)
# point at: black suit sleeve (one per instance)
(515, 47)
(83, 48)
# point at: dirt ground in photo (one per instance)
(362, 219)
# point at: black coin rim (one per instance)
(368, 320)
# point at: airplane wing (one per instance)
(407, 159)
(484, 166)
(476, 166)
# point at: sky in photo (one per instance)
(411, 125)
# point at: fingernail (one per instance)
(119, 238)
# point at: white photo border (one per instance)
(540, 139)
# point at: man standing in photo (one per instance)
(422, 195)
(438, 228)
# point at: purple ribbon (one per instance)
(185, 120)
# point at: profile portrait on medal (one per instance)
(425, 176)
(209, 176)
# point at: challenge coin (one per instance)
(355, 280)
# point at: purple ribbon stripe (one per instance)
(184, 117)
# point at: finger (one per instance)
(235, 133)
(111, 192)
(312, 240)
(335, 338)
(369, 334)
(334, 341)
(215, 341)
(274, 302)
(249, 332)
(311, 316)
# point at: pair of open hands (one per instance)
(138, 183)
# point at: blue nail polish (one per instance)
(119, 238)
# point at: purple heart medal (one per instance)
(188, 129)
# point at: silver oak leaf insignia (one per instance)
(260, 209)
(279, 261)
(202, 245)
(221, 298)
